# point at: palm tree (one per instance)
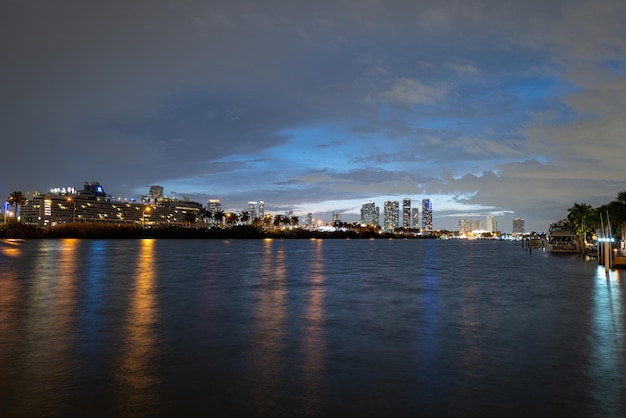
(294, 220)
(256, 221)
(231, 218)
(278, 219)
(204, 214)
(218, 215)
(189, 218)
(17, 199)
(267, 220)
(245, 216)
(582, 218)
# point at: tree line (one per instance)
(606, 220)
(582, 218)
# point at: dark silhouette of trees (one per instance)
(17, 199)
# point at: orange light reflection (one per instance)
(137, 380)
(314, 342)
(268, 338)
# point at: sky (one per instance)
(488, 107)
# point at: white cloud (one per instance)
(411, 91)
(466, 69)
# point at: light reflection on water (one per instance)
(137, 379)
(45, 326)
(9, 323)
(608, 343)
(314, 347)
(268, 341)
(307, 328)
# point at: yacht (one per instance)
(562, 239)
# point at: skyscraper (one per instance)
(427, 215)
(369, 214)
(252, 210)
(155, 193)
(406, 212)
(214, 205)
(415, 218)
(518, 226)
(492, 224)
(336, 217)
(391, 215)
(261, 213)
(470, 225)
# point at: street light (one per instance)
(143, 216)
(69, 199)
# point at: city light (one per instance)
(143, 216)
(69, 199)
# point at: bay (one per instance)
(307, 328)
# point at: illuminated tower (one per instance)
(415, 218)
(214, 205)
(427, 215)
(252, 210)
(406, 212)
(369, 214)
(261, 209)
(391, 215)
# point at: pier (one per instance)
(610, 255)
(530, 241)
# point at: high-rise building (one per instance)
(156, 192)
(518, 226)
(427, 215)
(415, 218)
(470, 225)
(492, 224)
(369, 214)
(406, 212)
(252, 210)
(309, 220)
(391, 215)
(336, 217)
(261, 212)
(214, 205)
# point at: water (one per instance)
(288, 328)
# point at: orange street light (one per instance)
(143, 216)
(69, 199)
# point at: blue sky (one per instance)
(487, 107)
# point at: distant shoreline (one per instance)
(107, 231)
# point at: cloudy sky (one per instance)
(510, 108)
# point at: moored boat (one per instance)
(561, 239)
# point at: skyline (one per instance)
(488, 108)
(389, 218)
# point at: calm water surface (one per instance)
(288, 328)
